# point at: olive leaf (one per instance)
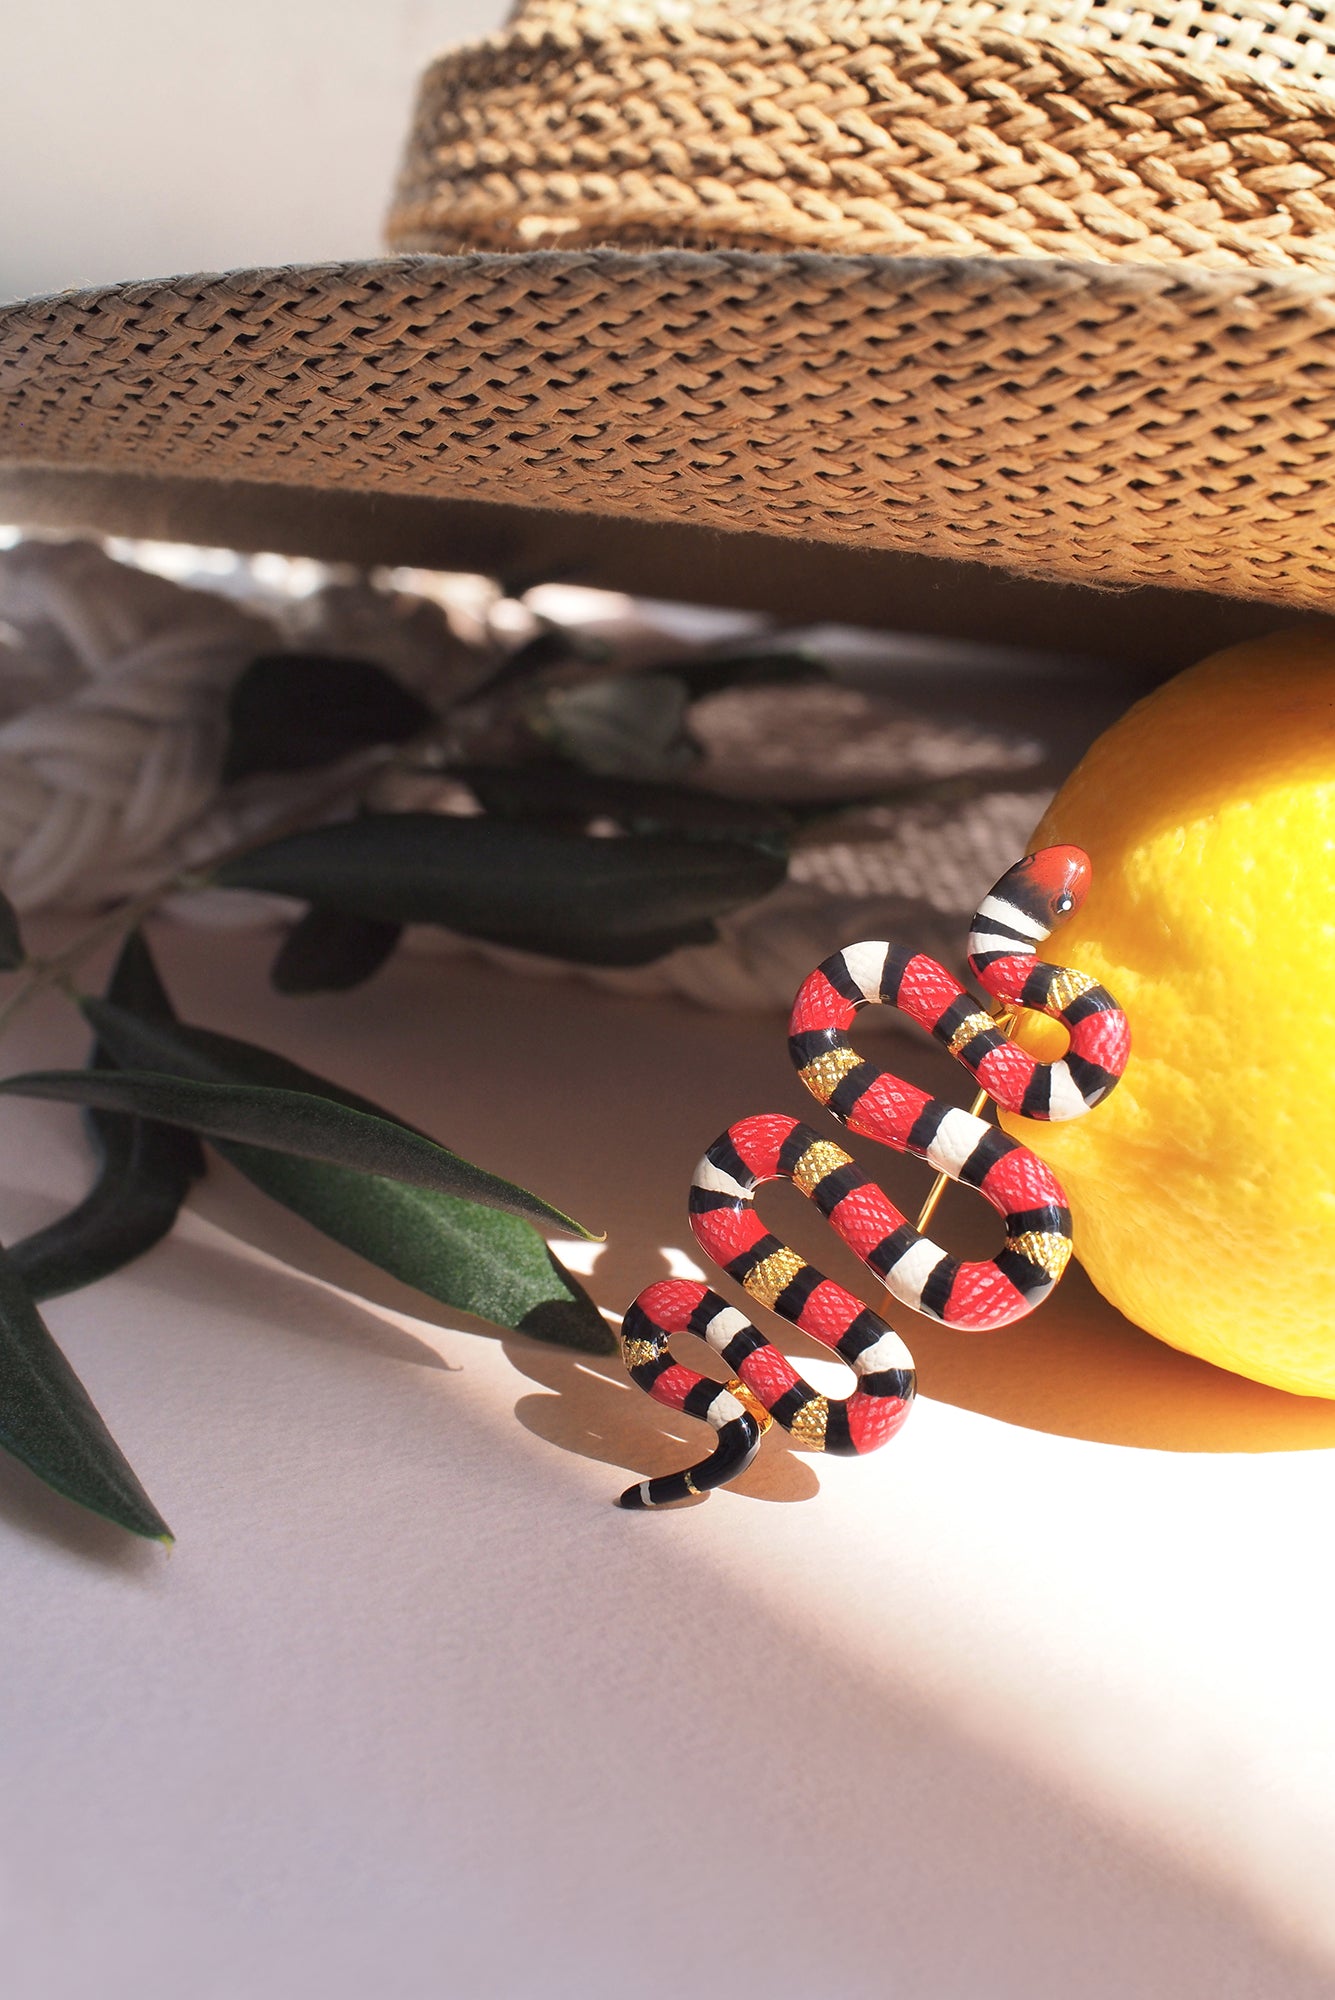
(48, 1421)
(465, 1255)
(331, 951)
(288, 1121)
(468, 1257)
(563, 796)
(299, 711)
(46, 1416)
(12, 954)
(599, 901)
(623, 726)
(145, 1171)
(144, 1174)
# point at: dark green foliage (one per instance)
(329, 951)
(291, 1121)
(566, 798)
(11, 942)
(299, 711)
(465, 1255)
(48, 1421)
(602, 902)
(144, 1174)
(489, 1264)
(46, 1417)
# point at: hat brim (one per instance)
(1096, 426)
(796, 582)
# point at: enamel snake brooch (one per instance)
(1026, 905)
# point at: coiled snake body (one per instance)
(1011, 923)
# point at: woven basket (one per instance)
(1048, 288)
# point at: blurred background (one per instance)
(152, 137)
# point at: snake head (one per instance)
(1057, 879)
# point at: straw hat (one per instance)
(1049, 288)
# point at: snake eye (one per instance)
(1064, 904)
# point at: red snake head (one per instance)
(1057, 878)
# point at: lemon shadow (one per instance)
(1078, 1369)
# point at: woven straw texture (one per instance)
(1277, 39)
(1118, 425)
(842, 128)
(1034, 288)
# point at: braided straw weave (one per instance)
(839, 128)
(1046, 288)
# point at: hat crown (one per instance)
(1270, 38)
(1195, 132)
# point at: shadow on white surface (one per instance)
(261, 1285)
(590, 1407)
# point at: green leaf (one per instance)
(145, 1170)
(487, 1263)
(136, 984)
(144, 1175)
(48, 1421)
(329, 951)
(624, 726)
(458, 1252)
(602, 902)
(298, 711)
(556, 793)
(12, 954)
(289, 1121)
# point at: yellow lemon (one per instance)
(1203, 1189)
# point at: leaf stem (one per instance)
(45, 973)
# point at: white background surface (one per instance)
(1035, 1705)
(157, 136)
(1036, 1702)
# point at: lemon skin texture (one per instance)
(1203, 1189)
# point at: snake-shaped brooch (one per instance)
(1019, 914)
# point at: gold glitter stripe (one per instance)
(1068, 986)
(1050, 1251)
(636, 1352)
(971, 1025)
(808, 1426)
(750, 1401)
(820, 1159)
(772, 1273)
(823, 1076)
